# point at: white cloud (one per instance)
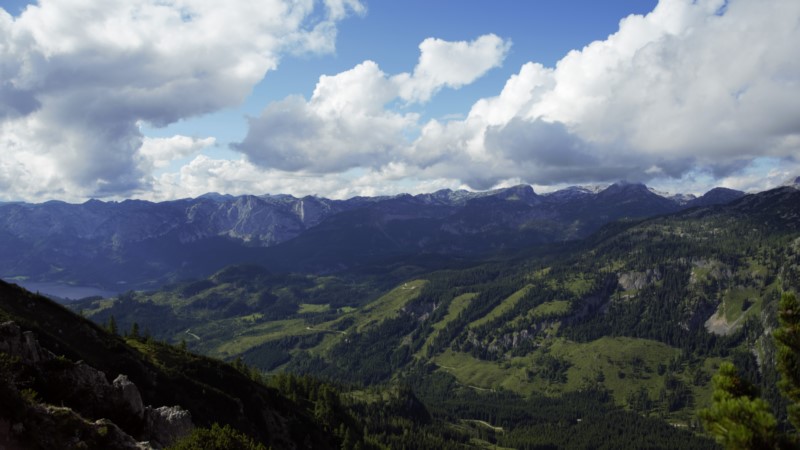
(694, 92)
(157, 153)
(691, 86)
(347, 123)
(450, 64)
(237, 177)
(344, 125)
(76, 77)
(694, 86)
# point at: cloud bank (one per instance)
(691, 88)
(347, 124)
(701, 91)
(77, 78)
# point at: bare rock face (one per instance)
(89, 382)
(638, 280)
(166, 425)
(22, 345)
(84, 391)
(129, 396)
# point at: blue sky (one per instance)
(390, 33)
(162, 100)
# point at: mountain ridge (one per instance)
(139, 244)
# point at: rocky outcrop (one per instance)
(638, 280)
(22, 345)
(166, 425)
(128, 396)
(58, 427)
(85, 392)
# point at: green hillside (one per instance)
(641, 314)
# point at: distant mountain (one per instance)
(716, 196)
(641, 311)
(135, 244)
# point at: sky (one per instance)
(167, 99)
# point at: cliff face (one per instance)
(111, 412)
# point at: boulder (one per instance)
(128, 396)
(167, 424)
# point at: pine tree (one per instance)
(135, 330)
(737, 418)
(787, 340)
(112, 325)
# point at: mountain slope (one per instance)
(644, 310)
(211, 391)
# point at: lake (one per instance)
(62, 290)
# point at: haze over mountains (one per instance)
(131, 244)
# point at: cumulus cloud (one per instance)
(706, 85)
(347, 124)
(344, 125)
(77, 77)
(450, 64)
(157, 153)
(702, 86)
(694, 91)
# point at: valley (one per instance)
(641, 313)
(541, 344)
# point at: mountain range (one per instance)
(585, 318)
(137, 244)
(540, 347)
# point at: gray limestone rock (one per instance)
(167, 424)
(129, 396)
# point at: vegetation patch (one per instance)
(505, 306)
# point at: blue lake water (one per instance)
(62, 290)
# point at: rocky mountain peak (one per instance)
(522, 192)
(625, 188)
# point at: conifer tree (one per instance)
(135, 330)
(787, 340)
(112, 325)
(737, 418)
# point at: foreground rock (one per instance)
(94, 411)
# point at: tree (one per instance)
(787, 341)
(112, 325)
(217, 438)
(135, 330)
(737, 418)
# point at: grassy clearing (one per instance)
(224, 338)
(476, 373)
(579, 285)
(739, 301)
(389, 304)
(549, 309)
(308, 308)
(626, 365)
(457, 305)
(505, 306)
(258, 335)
